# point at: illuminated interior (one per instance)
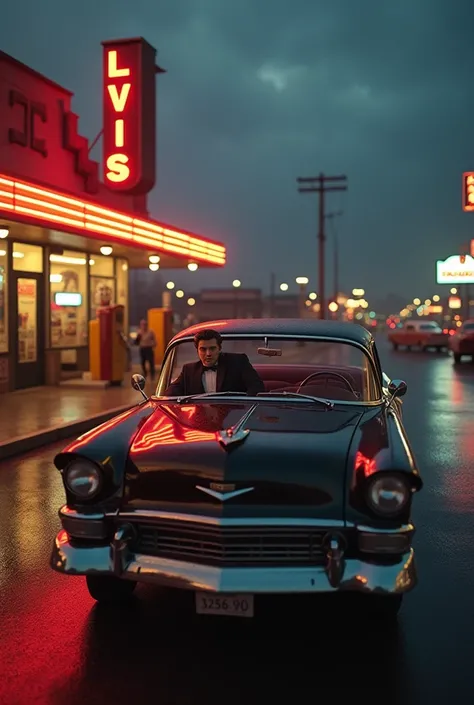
(45, 205)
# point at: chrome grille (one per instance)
(231, 545)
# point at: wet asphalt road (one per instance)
(57, 648)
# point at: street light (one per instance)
(170, 285)
(191, 301)
(313, 296)
(236, 283)
(154, 259)
(284, 287)
(180, 293)
(302, 283)
(154, 267)
(192, 266)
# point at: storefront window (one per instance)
(3, 297)
(102, 286)
(122, 289)
(68, 297)
(27, 258)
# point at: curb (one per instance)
(23, 444)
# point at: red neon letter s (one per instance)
(118, 171)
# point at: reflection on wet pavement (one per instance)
(57, 647)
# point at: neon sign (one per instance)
(468, 191)
(129, 116)
(457, 269)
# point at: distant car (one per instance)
(462, 342)
(306, 488)
(419, 334)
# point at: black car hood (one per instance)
(292, 461)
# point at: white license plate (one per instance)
(224, 605)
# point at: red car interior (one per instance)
(289, 377)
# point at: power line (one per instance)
(319, 184)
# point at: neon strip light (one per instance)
(43, 204)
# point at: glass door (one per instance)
(30, 330)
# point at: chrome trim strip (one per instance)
(359, 576)
(66, 512)
(231, 521)
(404, 529)
(148, 514)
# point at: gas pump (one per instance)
(108, 354)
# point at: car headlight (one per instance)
(83, 478)
(388, 495)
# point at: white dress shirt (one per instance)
(209, 381)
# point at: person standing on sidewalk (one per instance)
(146, 340)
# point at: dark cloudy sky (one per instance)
(259, 92)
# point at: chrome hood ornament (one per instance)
(236, 433)
(223, 496)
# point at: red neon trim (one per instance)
(31, 201)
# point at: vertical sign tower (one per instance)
(129, 115)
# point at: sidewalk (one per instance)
(32, 418)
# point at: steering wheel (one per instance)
(329, 374)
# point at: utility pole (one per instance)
(319, 184)
(330, 217)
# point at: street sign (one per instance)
(457, 269)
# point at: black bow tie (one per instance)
(209, 369)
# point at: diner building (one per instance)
(71, 229)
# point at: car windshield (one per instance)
(338, 371)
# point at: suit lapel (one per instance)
(221, 370)
(197, 385)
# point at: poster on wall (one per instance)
(27, 299)
(102, 294)
(68, 324)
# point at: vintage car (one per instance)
(461, 343)
(305, 488)
(419, 334)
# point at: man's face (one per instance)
(208, 351)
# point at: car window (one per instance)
(310, 355)
(433, 327)
(468, 326)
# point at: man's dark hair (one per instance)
(207, 334)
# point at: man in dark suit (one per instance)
(215, 371)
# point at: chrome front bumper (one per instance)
(397, 575)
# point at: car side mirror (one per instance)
(397, 388)
(138, 383)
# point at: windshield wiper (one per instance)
(206, 395)
(325, 402)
